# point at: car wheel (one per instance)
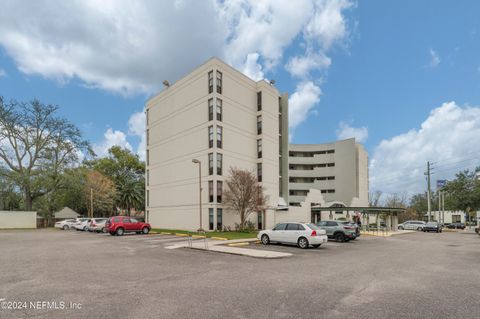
(120, 231)
(145, 230)
(400, 227)
(265, 240)
(65, 227)
(339, 237)
(316, 246)
(303, 243)
(419, 228)
(112, 233)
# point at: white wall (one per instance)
(11, 219)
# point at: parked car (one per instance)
(355, 226)
(120, 225)
(337, 230)
(412, 225)
(65, 224)
(477, 230)
(456, 226)
(81, 224)
(302, 234)
(97, 225)
(432, 226)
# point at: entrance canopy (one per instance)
(363, 210)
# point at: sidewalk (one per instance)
(386, 233)
(221, 247)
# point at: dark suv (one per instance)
(337, 230)
(120, 225)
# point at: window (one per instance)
(219, 218)
(259, 124)
(210, 82)
(148, 177)
(210, 218)
(126, 220)
(210, 191)
(210, 164)
(292, 227)
(219, 164)
(259, 171)
(331, 224)
(259, 148)
(260, 220)
(219, 136)
(210, 109)
(259, 101)
(146, 116)
(148, 136)
(210, 136)
(148, 198)
(219, 82)
(280, 227)
(331, 164)
(219, 109)
(219, 191)
(148, 157)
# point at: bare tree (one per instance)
(396, 200)
(243, 194)
(36, 146)
(375, 198)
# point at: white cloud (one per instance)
(346, 131)
(136, 127)
(111, 138)
(300, 66)
(306, 95)
(3, 73)
(449, 133)
(434, 58)
(253, 68)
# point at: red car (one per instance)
(120, 225)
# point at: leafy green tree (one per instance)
(36, 146)
(127, 172)
(464, 191)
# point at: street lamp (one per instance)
(196, 161)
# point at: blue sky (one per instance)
(403, 77)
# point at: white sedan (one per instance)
(302, 234)
(81, 224)
(65, 224)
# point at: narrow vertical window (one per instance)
(219, 136)
(210, 164)
(219, 82)
(259, 148)
(147, 117)
(259, 124)
(259, 172)
(219, 164)
(148, 177)
(210, 109)
(260, 220)
(210, 82)
(219, 191)
(219, 218)
(148, 157)
(210, 218)
(259, 101)
(148, 137)
(219, 109)
(210, 136)
(210, 191)
(148, 198)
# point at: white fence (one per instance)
(12, 219)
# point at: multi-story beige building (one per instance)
(338, 170)
(218, 118)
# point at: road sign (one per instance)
(441, 183)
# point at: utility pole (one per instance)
(443, 207)
(91, 202)
(439, 192)
(428, 192)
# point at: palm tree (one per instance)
(131, 195)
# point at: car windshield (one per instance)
(432, 224)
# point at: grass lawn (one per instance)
(224, 234)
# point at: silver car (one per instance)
(97, 225)
(412, 225)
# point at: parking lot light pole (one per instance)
(196, 161)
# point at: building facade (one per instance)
(220, 119)
(338, 170)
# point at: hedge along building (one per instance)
(219, 118)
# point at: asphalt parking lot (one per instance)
(414, 275)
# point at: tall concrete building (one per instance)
(218, 118)
(338, 170)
